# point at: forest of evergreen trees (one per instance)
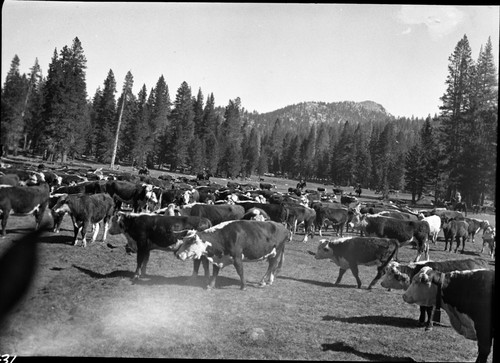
(345, 143)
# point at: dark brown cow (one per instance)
(24, 200)
(455, 230)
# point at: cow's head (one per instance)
(117, 224)
(59, 210)
(324, 250)
(358, 220)
(421, 290)
(394, 278)
(192, 247)
(149, 193)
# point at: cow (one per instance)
(337, 216)
(24, 200)
(256, 214)
(434, 226)
(9, 179)
(455, 230)
(489, 239)
(404, 231)
(89, 187)
(476, 225)
(147, 232)
(300, 214)
(468, 297)
(127, 192)
(235, 242)
(84, 209)
(267, 186)
(447, 215)
(349, 252)
(348, 199)
(398, 276)
(277, 212)
(218, 213)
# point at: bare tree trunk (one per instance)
(113, 156)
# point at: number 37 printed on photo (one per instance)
(7, 358)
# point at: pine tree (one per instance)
(231, 162)
(14, 94)
(33, 107)
(160, 107)
(105, 120)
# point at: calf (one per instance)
(455, 230)
(468, 297)
(300, 214)
(399, 277)
(84, 210)
(404, 231)
(235, 242)
(434, 226)
(489, 239)
(277, 212)
(476, 225)
(147, 232)
(349, 252)
(24, 200)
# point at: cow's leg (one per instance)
(215, 273)
(5, 216)
(484, 340)
(380, 272)
(341, 273)
(355, 272)
(430, 310)
(84, 228)
(142, 260)
(421, 318)
(457, 240)
(272, 269)
(76, 229)
(95, 227)
(238, 265)
(106, 228)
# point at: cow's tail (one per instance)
(394, 253)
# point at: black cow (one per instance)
(267, 186)
(349, 252)
(399, 276)
(468, 297)
(455, 230)
(218, 213)
(84, 209)
(235, 242)
(404, 231)
(147, 232)
(89, 187)
(135, 194)
(348, 199)
(24, 200)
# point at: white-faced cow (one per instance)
(85, 210)
(349, 252)
(147, 232)
(476, 225)
(434, 225)
(468, 297)
(404, 231)
(335, 215)
(300, 214)
(399, 276)
(234, 242)
(256, 214)
(24, 200)
(127, 192)
(277, 212)
(489, 239)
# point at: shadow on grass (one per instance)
(313, 282)
(97, 275)
(56, 239)
(342, 347)
(376, 320)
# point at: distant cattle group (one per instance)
(220, 225)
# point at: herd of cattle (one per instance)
(218, 225)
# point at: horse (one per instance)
(358, 191)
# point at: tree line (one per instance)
(449, 152)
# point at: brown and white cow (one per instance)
(476, 225)
(349, 252)
(147, 232)
(235, 242)
(489, 239)
(399, 276)
(404, 231)
(468, 297)
(127, 192)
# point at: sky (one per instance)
(268, 55)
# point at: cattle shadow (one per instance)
(97, 275)
(343, 347)
(56, 239)
(314, 282)
(394, 321)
